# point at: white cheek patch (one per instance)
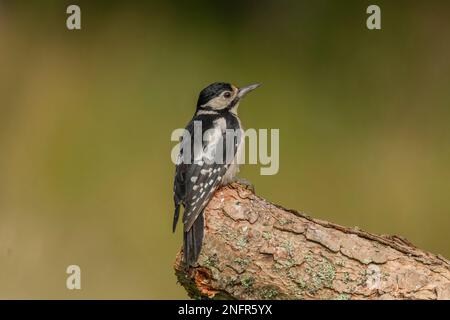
(218, 103)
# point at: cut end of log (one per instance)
(253, 249)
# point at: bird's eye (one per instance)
(227, 94)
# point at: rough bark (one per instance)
(254, 249)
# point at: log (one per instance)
(254, 249)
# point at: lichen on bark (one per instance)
(253, 249)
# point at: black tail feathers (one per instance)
(175, 217)
(193, 239)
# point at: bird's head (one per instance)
(221, 96)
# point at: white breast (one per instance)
(233, 169)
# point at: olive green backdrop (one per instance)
(86, 118)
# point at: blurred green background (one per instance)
(86, 118)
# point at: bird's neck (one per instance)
(221, 112)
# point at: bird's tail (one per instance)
(193, 239)
(175, 216)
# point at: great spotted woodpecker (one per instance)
(202, 167)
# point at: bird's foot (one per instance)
(245, 183)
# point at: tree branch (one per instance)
(253, 249)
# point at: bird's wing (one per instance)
(181, 168)
(203, 177)
(178, 192)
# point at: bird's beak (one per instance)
(244, 90)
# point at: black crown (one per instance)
(212, 91)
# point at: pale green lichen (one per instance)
(289, 247)
(321, 274)
(268, 292)
(342, 296)
(241, 242)
(211, 261)
(231, 281)
(309, 258)
(277, 266)
(327, 273)
(301, 284)
(289, 263)
(291, 274)
(346, 277)
(247, 282)
(243, 263)
(284, 221)
(266, 235)
(362, 281)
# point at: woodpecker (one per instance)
(204, 167)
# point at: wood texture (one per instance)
(254, 249)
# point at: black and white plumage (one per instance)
(209, 165)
